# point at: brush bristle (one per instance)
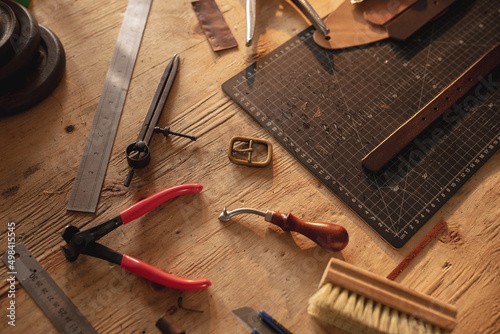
(357, 314)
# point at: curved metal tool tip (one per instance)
(224, 216)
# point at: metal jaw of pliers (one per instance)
(303, 6)
(84, 242)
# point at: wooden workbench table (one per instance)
(249, 262)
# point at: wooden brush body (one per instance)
(356, 288)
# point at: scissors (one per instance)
(304, 7)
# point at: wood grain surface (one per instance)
(250, 262)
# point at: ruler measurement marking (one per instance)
(47, 294)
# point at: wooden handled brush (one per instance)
(359, 301)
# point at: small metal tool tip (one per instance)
(224, 216)
(70, 253)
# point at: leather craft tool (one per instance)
(84, 242)
(213, 25)
(410, 130)
(330, 108)
(259, 323)
(361, 302)
(45, 292)
(349, 25)
(249, 151)
(329, 236)
(302, 5)
(138, 153)
(90, 176)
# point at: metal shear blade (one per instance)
(302, 5)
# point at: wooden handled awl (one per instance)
(329, 236)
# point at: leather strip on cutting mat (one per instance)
(329, 108)
(213, 25)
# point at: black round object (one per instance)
(141, 157)
(26, 43)
(9, 30)
(25, 90)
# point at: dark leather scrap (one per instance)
(213, 25)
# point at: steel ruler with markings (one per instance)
(329, 108)
(90, 177)
(45, 292)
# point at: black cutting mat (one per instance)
(330, 108)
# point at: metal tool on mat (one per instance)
(304, 7)
(138, 154)
(329, 236)
(84, 242)
(90, 177)
(45, 292)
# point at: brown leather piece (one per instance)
(349, 28)
(213, 25)
(380, 12)
(415, 17)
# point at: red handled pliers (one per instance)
(84, 242)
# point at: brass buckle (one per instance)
(249, 150)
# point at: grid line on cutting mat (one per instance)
(330, 108)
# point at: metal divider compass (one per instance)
(138, 153)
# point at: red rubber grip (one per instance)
(153, 274)
(148, 204)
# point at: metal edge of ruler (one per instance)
(45, 292)
(90, 177)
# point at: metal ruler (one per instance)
(45, 292)
(90, 177)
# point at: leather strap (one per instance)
(399, 139)
(214, 26)
(415, 17)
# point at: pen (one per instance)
(276, 326)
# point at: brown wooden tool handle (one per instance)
(330, 236)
